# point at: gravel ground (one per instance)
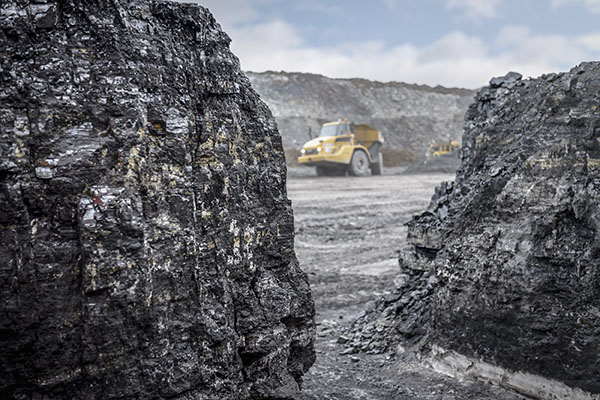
(348, 231)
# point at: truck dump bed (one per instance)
(367, 135)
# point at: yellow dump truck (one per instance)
(439, 148)
(343, 147)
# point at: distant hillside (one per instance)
(410, 116)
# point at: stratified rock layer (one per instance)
(504, 265)
(146, 243)
(518, 235)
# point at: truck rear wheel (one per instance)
(377, 166)
(321, 171)
(359, 165)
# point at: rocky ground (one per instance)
(348, 231)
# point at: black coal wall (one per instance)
(516, 240)
(146, 238)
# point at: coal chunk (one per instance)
(504, 264)
(519, 269)
(507, 80)
(146, 246)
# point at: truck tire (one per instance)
(377, 166)
(321, 171)
(359, 164)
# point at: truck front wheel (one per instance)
(359, 165)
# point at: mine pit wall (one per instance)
(515, 241)
(146, 242)
(410, 117)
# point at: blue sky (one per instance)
(459, 43)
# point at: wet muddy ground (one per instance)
(348, 232)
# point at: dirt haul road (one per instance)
(348, 232)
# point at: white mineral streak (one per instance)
(459, 366)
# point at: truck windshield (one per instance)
(336, 130)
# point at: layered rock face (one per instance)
(411, 117)
(504, 265)
(147, 238)
(517, 235)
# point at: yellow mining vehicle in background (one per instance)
(343, 147)
(440, 148)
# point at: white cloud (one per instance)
(453, 46)
(592, 5)
(265, 39)
(590, 42)
(391, 4)
(453, 60)
(525, 47)
(476, 9)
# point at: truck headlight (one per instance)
(302, 151)
(318, 149)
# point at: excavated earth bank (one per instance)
(504, 266)
(146, 244)
(411, 117)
